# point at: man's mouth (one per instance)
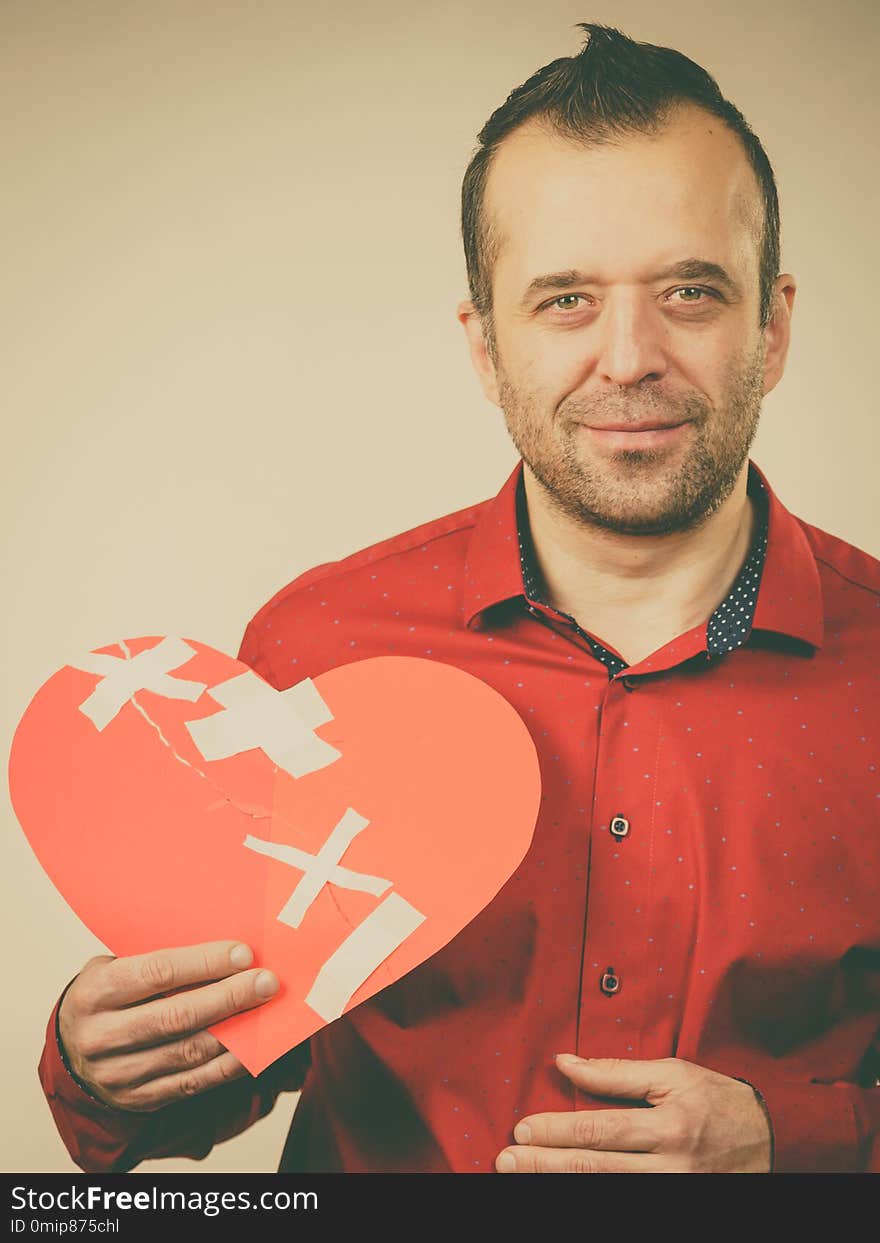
(648, 425)
(650, 434)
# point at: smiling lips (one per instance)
(648, 435)
(647, 426)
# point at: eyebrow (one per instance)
(686, 270)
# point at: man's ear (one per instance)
(474, 328)
(777, 334)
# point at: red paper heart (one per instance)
(145, 837)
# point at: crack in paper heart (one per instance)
(225, 798)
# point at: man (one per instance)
(694, 929)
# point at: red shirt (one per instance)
(702, 882)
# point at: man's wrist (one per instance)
(65, 1060)
(766, 1112)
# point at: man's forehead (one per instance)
(694, 165)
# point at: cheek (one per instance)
(713, 359)
(546, 368)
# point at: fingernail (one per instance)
(505, 1164)
(522, 1133)
(241, 956)
(569, 1057)
(265, 984)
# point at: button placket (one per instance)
(619, 897)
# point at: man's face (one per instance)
(598, 321)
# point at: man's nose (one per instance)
(632, 340)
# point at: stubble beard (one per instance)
(631, 492)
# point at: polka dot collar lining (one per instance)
(728, 627)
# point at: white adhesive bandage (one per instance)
(281, 723)
(320, 869)
(122, 678)
(362, 951)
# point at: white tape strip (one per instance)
(281, 723)
(293, 857)
(320, 869)
(362, 951)
(148, 671)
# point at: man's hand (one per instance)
(134, 1046)
(701, 1122)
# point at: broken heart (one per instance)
(346, 828)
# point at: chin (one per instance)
(665, 516)
(645, 525)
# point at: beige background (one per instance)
(229, 273)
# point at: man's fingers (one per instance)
(172, 1088)
(625, 1078)
(130, 1070)
(614, 1130)
(125, 981)
(170, 1018)
(535, 1160)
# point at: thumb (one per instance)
(622, 1077)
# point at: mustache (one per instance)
(678, 408)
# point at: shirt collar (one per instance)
(492, 571)
(789, 597)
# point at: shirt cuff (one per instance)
(813, 1126)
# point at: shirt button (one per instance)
(619, 827)
(629, 684)
(610, 983)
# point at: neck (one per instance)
(637, 592)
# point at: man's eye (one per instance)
(566, 302)
(690, 290)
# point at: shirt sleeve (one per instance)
(101, 1139)
(816, 1127)
(821, 1128)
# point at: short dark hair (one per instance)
(613, 87)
